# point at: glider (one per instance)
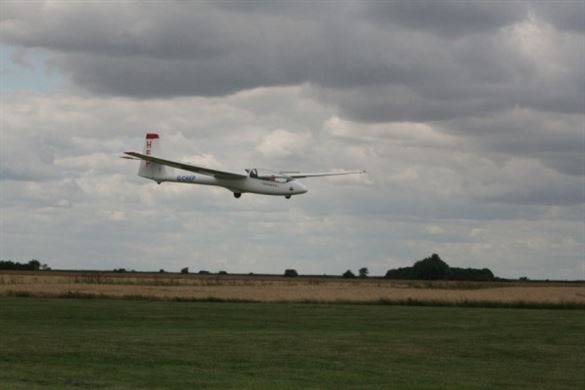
(256, 181)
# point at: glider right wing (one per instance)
(300, 175)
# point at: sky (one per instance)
(469, 118)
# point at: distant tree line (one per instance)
(433, 268)
(33, 265)
(363, 273)
(429, 268)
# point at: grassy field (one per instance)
(125, 344)
(279, 289)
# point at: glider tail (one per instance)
(148, 169)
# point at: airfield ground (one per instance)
(177, 331)
(48, 343)
(280, 289)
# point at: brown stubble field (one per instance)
(280, 289)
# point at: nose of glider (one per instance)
(300, 189)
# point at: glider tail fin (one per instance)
(148, 169)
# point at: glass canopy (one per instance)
(268, 175)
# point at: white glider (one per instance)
(256, 181)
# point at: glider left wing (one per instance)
(187, 167)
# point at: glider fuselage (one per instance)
(246, 184)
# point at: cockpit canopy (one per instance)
(265, 174)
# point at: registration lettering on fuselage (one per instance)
(185, 178)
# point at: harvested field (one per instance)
(278, 289)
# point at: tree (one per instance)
(364, 272)
(431, 268)
(291, 273)
(348, 274)
(185, 270)
(34, 264)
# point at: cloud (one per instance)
(556, 140)
(468, 118)
(569, 16)
(417, 177)
(448, 17)
(282, 143)
(375, 61)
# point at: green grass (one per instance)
(125, 344)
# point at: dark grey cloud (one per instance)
(568, 15)
(557, 140)
(452, 18)
(376, 61)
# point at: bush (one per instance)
(222, 273)
(203, 272)
(471, 274)
(185, 270)
(401, 273)
(364, 272)
(290, 273)
(348, 274)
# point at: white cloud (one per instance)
(281, 143)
